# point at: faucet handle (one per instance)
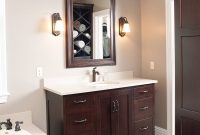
(94, 68)
(9, 124)
(17, 126)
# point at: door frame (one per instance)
(3, 69)
(170, 61)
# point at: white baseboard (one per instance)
(160, 131)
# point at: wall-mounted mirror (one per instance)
(90, 34)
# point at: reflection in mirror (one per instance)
(91, 29)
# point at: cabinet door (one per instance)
(114, 112)
(121, 112)
(104, 114)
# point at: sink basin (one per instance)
(105, 83)
(12, 132)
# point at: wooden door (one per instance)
(121, 114)
(187, 49)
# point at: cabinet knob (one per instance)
(144, 129)
(80, 101)
(81, 121)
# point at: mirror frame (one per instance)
(70, 61)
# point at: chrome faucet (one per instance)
(94, 74)
(7, 124)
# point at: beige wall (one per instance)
(154, 49)
(98, 4)
(31, 44)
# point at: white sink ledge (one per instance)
(12, 132)
(77, 88)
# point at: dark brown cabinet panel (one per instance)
(83, 122)
(187, 60)
(122, 115)
(81, 102)
(114, 112)
(55, 114)
(190, 17)
(143, 108)
(190, 127)
(79, 114)
(111, 112)
(104, 108)
(144, 127)
(143, 92)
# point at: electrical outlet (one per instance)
(39, 72)
(152, 65)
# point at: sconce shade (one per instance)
(123, 26)
(126, 28)
(57, 24)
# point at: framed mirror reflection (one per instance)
(90, 32)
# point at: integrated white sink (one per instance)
(104, 83)
(12, 132)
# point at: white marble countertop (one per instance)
(84, 87)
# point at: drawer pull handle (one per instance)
(81, 121)
(144, 108)
(145, 91)
(80, 101)
(144, 128)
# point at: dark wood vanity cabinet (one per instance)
(123, 111)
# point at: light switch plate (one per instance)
(39, 72)
(152, 65)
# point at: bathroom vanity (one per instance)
(123, 108)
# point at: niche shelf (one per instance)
(82, 23)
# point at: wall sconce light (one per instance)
(57, 24)
(123, 26)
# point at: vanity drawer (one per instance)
(82, 124)
(80, 103)
(143, 91)
(143, 108)
(144, 127)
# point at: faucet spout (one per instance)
(7, 124)
(94, 74)
(3, 123)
